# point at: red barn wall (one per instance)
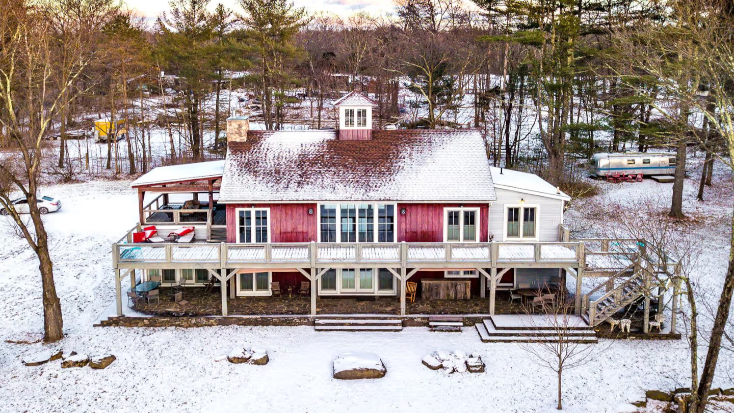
(424, 222)
(288, 222)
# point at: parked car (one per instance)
(46, 204)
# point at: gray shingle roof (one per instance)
(402, 165)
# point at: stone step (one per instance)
(489, 327)
(358, 321)
(357, 328)
(527, 337)
(445, 323)
(521, 326)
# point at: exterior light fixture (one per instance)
(310, 211)
(402, 211)
(522, 201)
(252, 206)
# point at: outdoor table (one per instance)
(143, 288)
(529, 293)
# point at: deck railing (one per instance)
(312, 254)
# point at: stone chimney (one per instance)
(237, 127)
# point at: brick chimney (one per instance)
(355, 117)
(237, 127)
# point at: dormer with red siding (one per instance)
(355, 117)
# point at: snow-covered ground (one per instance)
(175, 369)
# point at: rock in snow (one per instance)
(431, 362)
(41, 357)
(454, 362)
(77, 360)
(255, 355)
(101, 361)
(352, 366)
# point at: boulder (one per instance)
(77, 360)
(659, 395)
(101, 361)
(475, 365)
(42, 357)
(259, 358)
(432, 362)
(239, 355)
(354, 366)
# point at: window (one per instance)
(671, 161)
(169, 276)
(254, 283)
(630, 161)
(370, 281)
(356, 223)
(187, 275)
(521, 222)
(461, 224)
(646, 161)
(355, 118)
(349, 118)
(202, 276)
(461, 274)
(253, 225)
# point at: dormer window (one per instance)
(355, 118)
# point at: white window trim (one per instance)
(463, 274)
(343, 117)
(478, 223)
(375, 223)
(357, 291)
(178, 277)
(253, 293)
(252, 220)
(522, 216)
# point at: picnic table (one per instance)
(144, 288)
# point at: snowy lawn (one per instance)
(162, 369)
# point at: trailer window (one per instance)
(646, 162)
(671, 161)
(630, 161)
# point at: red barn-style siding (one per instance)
(288, 222)
(355, 134)
(424, 222)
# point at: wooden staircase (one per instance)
(359, 324)
(489, 332)
(627, 290)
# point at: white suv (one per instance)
(46, 204)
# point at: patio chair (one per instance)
(410, 291)
(538, 303)
(154, 295)
(305, 288)
(639, 177)
(275, 288)
(133, 297)
(155, 278)
(549, 298)
(658, 323)
(515, 296)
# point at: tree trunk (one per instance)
(560, 391)
(676, 207)
(217, 128)
(704, 174)
(194, 122)
(722, 315)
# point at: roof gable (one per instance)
(404, 165)
(355, 98)
(525, 182)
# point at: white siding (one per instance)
(550, 214)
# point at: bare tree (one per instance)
(30, 100)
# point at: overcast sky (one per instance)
(152, 8)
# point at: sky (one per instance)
(152, 8)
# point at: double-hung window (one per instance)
(461, 225)
(253, 225)
(522, 222)
(357, 223)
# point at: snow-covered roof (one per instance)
(355, 98)
(401, 165)
(180, 173)
(525, 182)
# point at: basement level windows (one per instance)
(356, 281)
(357, 222)
(461, 225)
(254, 283)
(253, 225)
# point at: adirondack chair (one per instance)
(305, 288)
(639, 177)
(410, 291)
(275, 288)
(614, 178)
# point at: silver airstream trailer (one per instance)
(605, 164)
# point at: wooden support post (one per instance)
(577, 305)
(646, 319)
(482, 286)
(232, 287)
(141, 200)
(223, 289)
(131, 273)
(674, 305)
(403, 286)
(313, 291)
(118, 292)
(492, 289)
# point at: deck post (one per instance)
(492, 289)
(141, 198)
(577, 305)
(646, 319)
(313, 291)
(482, 286)
(403, 278)
(674, 305)
(223, 288)
(118, 292)
(132, 279)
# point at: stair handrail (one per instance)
(588, 295)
